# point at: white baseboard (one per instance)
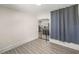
(16, 44)
(70, 45)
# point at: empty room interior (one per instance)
(39, 29)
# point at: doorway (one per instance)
(44, 29)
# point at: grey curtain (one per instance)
(65, 24)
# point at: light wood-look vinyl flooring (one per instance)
(40, 46)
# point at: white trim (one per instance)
(16, 44)
(70, 45)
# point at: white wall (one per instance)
(16, 28)
(45, 15)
